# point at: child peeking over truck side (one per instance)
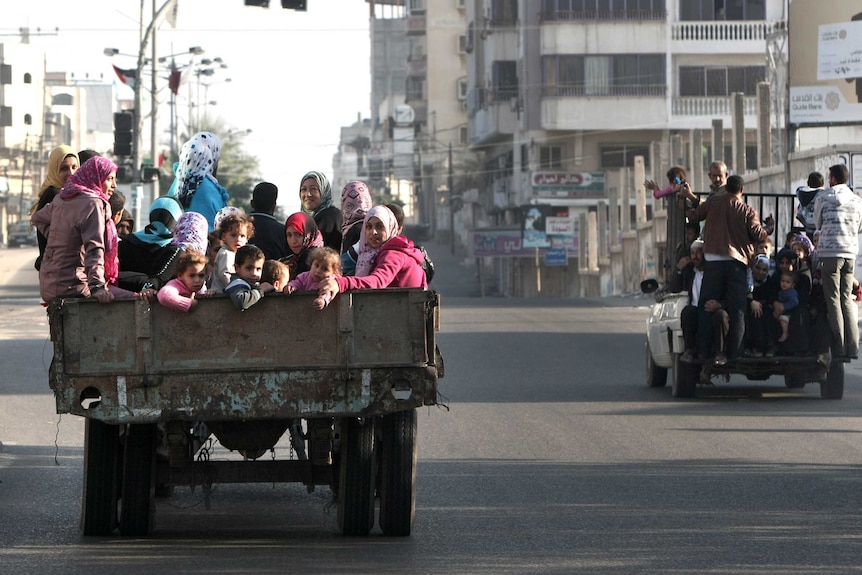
(245, 288)
(181, 292)
(325, 264)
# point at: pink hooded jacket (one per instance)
(399, 264)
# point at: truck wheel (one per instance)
(356, 477)
(99, 501)
(398, 473)
(685, 377)
(137, 501)
(656, 376)
(833, 387)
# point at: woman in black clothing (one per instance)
(62, 163)
(315, 194)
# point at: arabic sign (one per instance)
(568, 184)
(839, 51)
(549, 226)
(825, 72)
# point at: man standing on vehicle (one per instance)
(838, 217)
(734, 229)
(268, 231)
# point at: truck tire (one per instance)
(833, 387)
(397, 452)
(656, 376)
(99, 501)
(685, 377)
(137, 499)
(356, 477)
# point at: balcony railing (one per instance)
(711, 106)
(724, 30)
(580, 91)
(603, 15)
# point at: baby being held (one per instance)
(325, 264)
(189, 283)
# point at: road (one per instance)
(553, 457)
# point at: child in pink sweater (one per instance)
(190, 282)
(325, 264)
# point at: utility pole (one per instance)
(451, 202)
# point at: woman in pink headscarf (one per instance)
(355, 203)
(81, 253)
(301, 234)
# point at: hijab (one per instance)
(366, 256)
(311, 237)
(191, 231)
(355, 203)
(164, 213)
(325, 192)
(198, 159)
(54, 179)
(225, 212)
(88, 181)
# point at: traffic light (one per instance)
(123, 122)
(294, 5)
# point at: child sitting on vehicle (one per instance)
(325, 264)
(760, 325)
(181, 292)
(234, 232)
(789, 298)
(245, 288)
(276, 273)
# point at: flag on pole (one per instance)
(171, 14)
(178, 79)
(127, 77)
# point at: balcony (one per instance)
(605, 108)
(726, 37)
(698, 112)
(416, 24)
(494, 115)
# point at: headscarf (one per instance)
(355, 203)
(325, 192)
(311, 237)
(54, 179)
(761, 259)
(164, 213)
(88, 181)
(198, 159)
(806, 242)
(225, 212)
(366, 256)
(190, 232)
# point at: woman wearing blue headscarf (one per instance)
(146, 256)
(315, 194)
(196, 186)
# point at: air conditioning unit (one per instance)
(462, 43)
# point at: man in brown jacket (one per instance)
(734, 229)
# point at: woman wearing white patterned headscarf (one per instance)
(196, 186)
(315, 195)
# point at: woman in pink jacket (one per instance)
(81, 254)
(384, 259)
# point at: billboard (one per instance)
(825, 73)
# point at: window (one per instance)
(623, 155)
(565, 10)
(461, 88)
(611, 75)
(722, 10)
(416, 6)
(462, 43)
(504, 12)
(504, 78)
(28, 79)
(550, 158)
(417, 48)
(720, 81)
(462, 135)
(28, 120)
(415, 88)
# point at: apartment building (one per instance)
(563, 93)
